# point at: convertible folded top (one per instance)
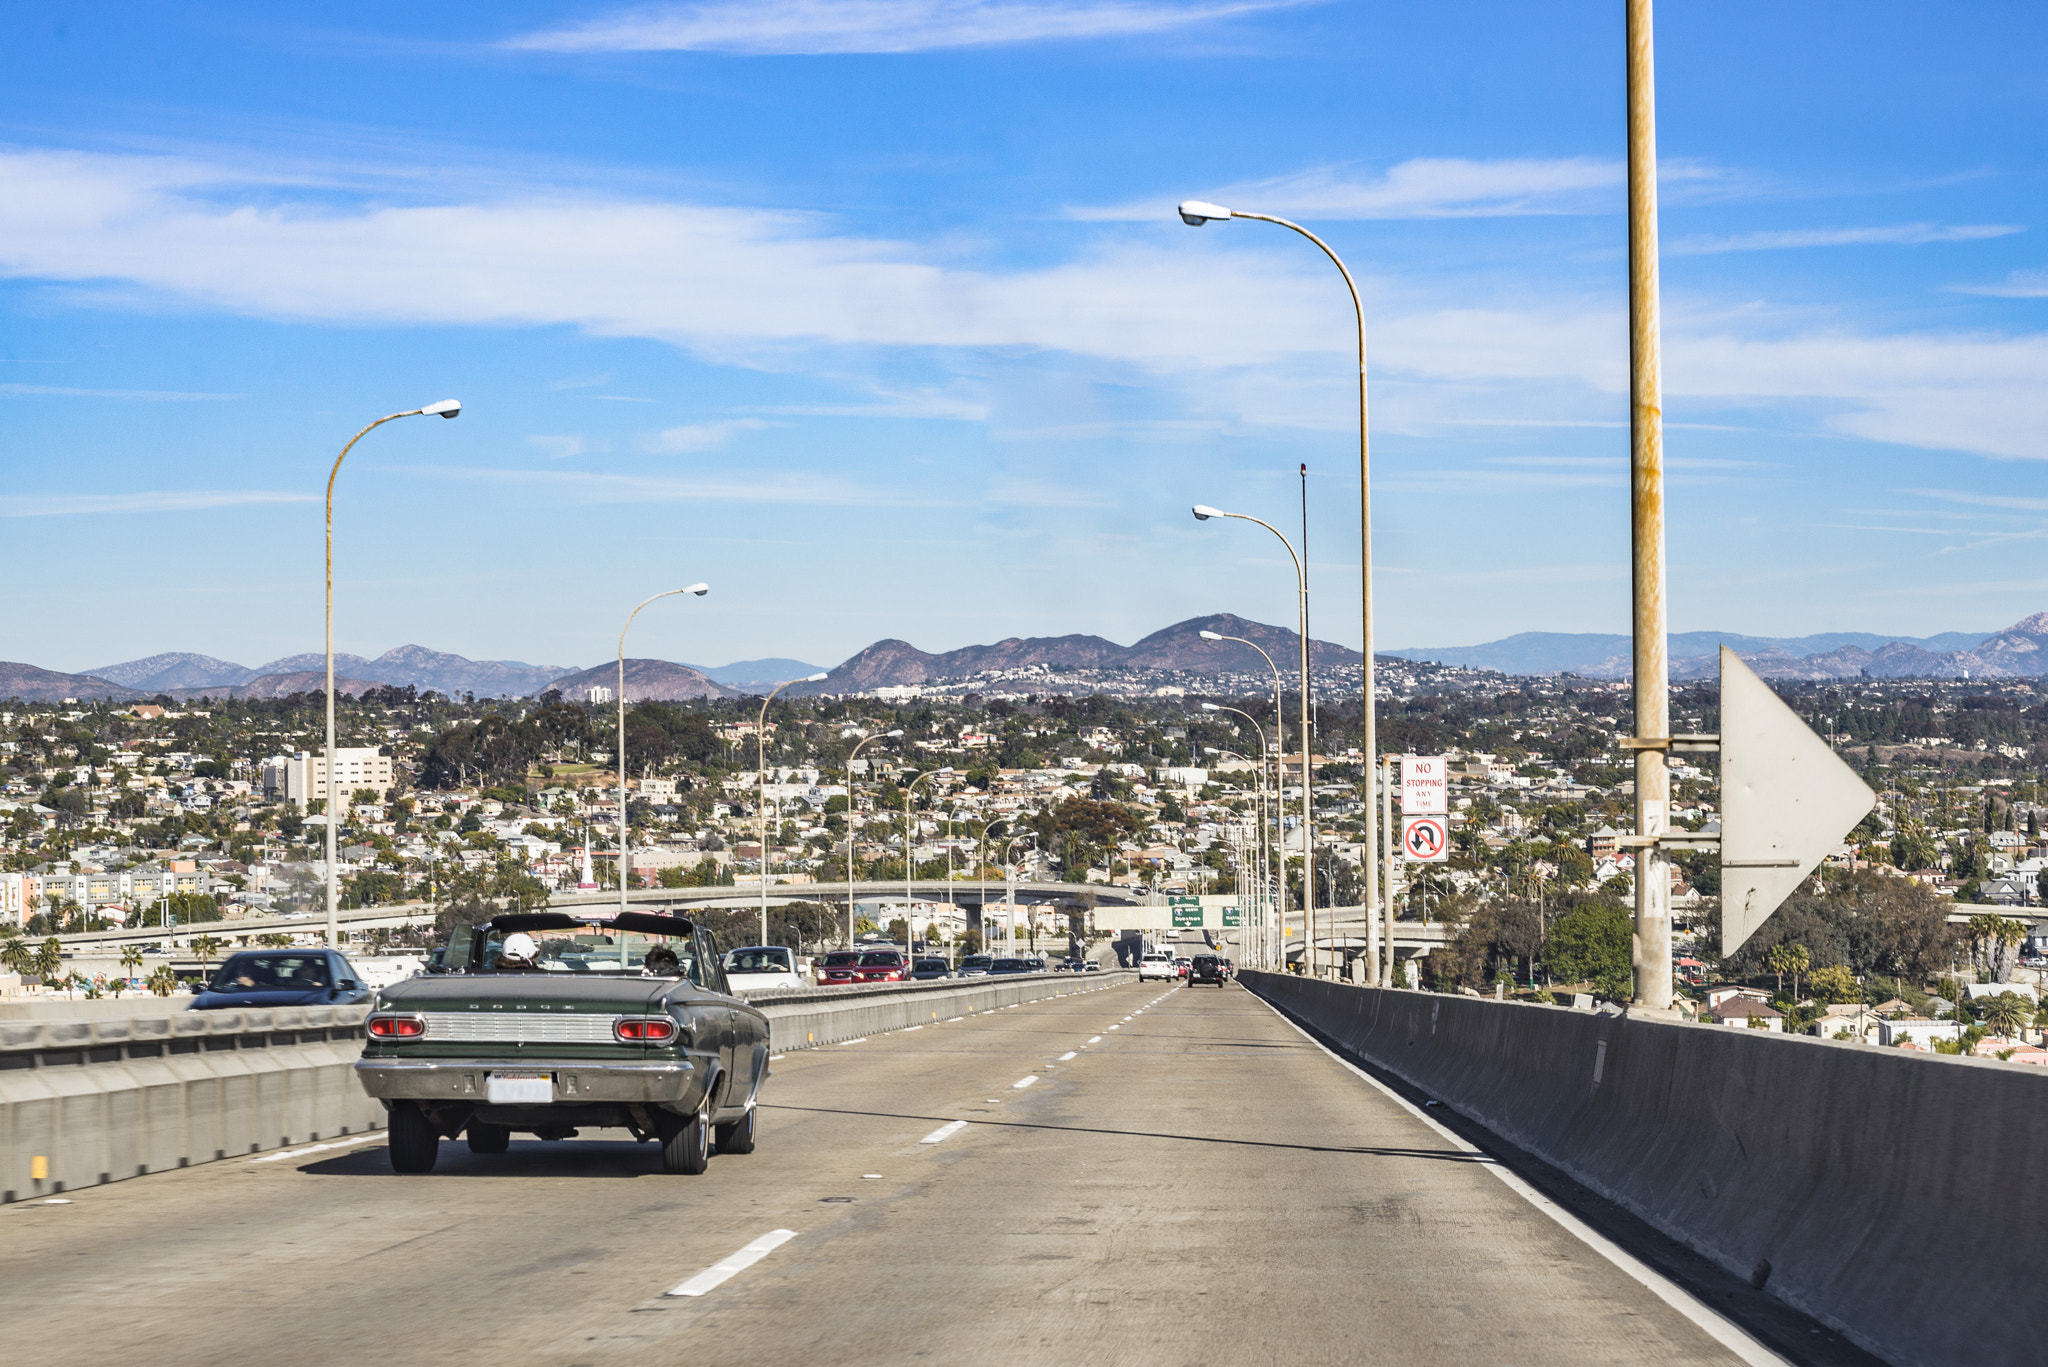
(643, 922)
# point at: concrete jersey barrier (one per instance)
(1892, 1196)
(806, 1020)
(86, 1101)
(90, 1101)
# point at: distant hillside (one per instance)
(757, 676)
(887, 664)
(178, 669)
(1827, 655)
(646, 681)
(280, 686)
(31, 684)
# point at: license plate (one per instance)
(520, 1089)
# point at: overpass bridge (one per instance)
(103, 947)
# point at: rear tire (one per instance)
(488, 1138)
(686, 1143)
(413, 1142)
(737, 1136)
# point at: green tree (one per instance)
(1789, 961)
(1994, 942)
(131, 959)
(49, 959)
(1592, 943)
(163, 981)
(2007, 1013)
(204, 947)
(1833, 984)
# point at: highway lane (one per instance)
(1198, 1184)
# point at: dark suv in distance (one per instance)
(1206, 968)
(924, 970)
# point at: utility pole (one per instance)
(1646, 505)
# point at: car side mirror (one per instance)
(347, 985)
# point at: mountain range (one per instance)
(2019, 651)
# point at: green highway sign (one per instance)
(1187, 912)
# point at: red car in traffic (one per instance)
(846, 967)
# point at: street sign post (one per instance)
(1425, 839)
(1787, 800)
(1425, 786)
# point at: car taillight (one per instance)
(645, 1029)
(396, 1027)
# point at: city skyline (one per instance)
(848, 322)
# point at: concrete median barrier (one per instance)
(90, 1101)
(86, 1101)
(1892, 1196)
(805, 1020)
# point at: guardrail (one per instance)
(90, 1101)
(97, 1100)
(1892, 1196)
(806, 1020)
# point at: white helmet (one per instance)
(520, 945)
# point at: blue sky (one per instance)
(877, 317)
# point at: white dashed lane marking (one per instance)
(1069, 1054)
(1095, 1039)
(944, 1132)
(1023, 1082)
(862, 1040)
(716, 1274)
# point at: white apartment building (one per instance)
(303, 776)
(20, 894)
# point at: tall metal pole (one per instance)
(699, 590)
(447, 408)
(1308, 767)
(1386, 770)
(852, 810)
(1646, 505)
(1195, 213)
(1278, 835)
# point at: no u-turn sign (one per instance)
(1425, 839)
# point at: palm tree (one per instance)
(16, 956)
(204, 947)
(163, 981)
(50, 958)
(2007, 1013)
(131, 959)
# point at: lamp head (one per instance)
(1196, 212)
(699, 589)
(447, 408)
(1211, 636)
(1203, 512)
(893, 735)
(1210, 707)
(819, 677)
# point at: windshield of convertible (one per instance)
(632, 945)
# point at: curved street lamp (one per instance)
(761, 768)
(1195, 213)
(698, 590)
(851, 811)
(1203, 513)
(446, 408)
(910, 853)
(1265, 836)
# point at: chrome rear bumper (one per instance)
(577, 1082)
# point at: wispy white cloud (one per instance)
(146, 395)
(812, 27)
(1425, 187)
(702, 436)
(2018, 285)
(582, 382)
(594, 487)
(1032, 493)
(1901, 235)
(747, 286)
(560, 447)
(142, 501)
(2017, 502)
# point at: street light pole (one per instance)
(1279, 750)
(1194, 213)
(1010, 894)
(851, 811)
(1308, 818)
(698, 590)
(910, 854)
(761, 767)
(1265, 847)
(446, 408)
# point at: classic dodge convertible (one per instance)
(611, 1019)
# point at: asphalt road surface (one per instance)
(1188, 1180)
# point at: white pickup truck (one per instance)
(762, 968)
(1159, 964)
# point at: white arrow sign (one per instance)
(1787, 799)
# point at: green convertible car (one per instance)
(544, 1021)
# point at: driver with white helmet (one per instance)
(518, 954)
